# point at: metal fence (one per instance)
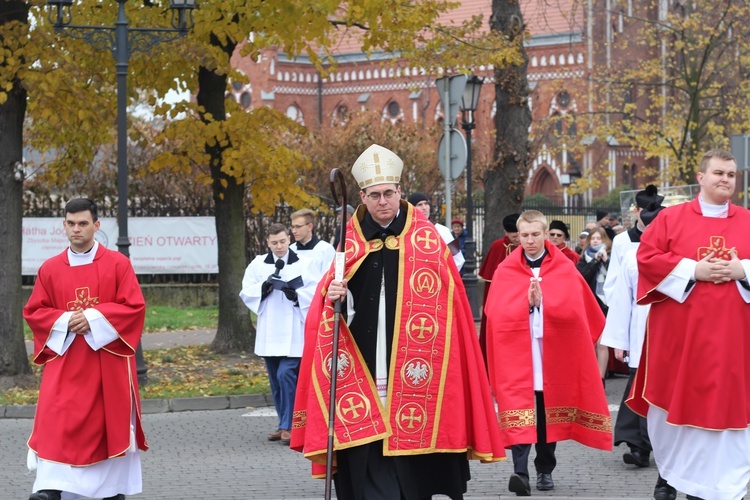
(256, 225)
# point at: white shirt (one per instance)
(321, 256)
(626, 321)
(447, 236)
(280, 329)
(620, 246)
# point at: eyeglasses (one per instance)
(375, 196)
(556, 235)
(299, 226)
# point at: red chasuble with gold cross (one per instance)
(438, 394)
(695, 356)
(576, 406)
(86, 397)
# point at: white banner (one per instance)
(158, 245)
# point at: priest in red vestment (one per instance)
(497, 253)
(86, 312)
(542, 325)
(693, 382)
(413, 402)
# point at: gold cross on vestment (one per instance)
(83, 300)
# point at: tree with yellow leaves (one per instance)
(677, 86)
(255, 156)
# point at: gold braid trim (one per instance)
(572, 415)
(516, 418)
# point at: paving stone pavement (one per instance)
(224, 455)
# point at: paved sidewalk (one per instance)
(223, 455)
(164, 340)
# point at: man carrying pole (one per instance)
(412, 400)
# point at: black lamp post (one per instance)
(469, 103)
(122, 40)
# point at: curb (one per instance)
(153, 406)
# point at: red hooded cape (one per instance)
(694, 364)
(576, 406)
(86, 396)
(438, 395)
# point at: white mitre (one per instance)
(377, 165)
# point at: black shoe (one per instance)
(119, 496)
(519, 484)
(544, 481)
(637, 457)
(46, 495)
(663, 491)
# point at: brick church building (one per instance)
(570, 45)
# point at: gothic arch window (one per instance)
(293, 112)
(544, 182)
(240, 92)
(393, 112)
(341, 115)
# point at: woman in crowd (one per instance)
(593, 266)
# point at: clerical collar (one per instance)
(309, 245)
(289, 258)
(82, 258)
(389, 224)
(372, 230)
(716, 211)
(96, 243)
(533, 263)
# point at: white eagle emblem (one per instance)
(342, 365)
(417, 372)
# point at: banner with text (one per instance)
(158, 245)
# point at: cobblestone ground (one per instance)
(224, 455)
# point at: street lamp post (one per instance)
(122, 41)
(469, 103)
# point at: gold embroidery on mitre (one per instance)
(411, 418)
(572, 415)
(83, 300)
(421, 328)
(352, 408)
(417, 372)
(516, 418)
(425, 283)
(717, 245)
(377, 165)
(425, 240)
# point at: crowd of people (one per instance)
(418, 393)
